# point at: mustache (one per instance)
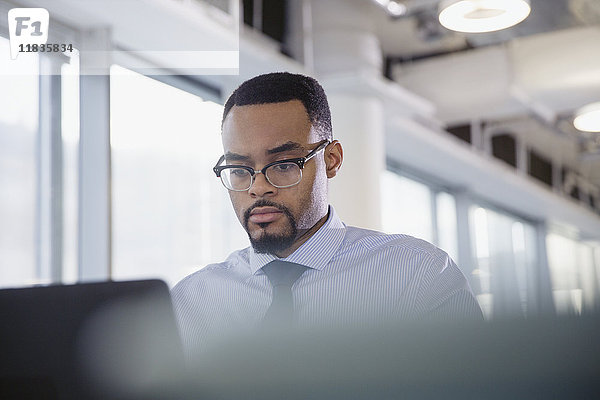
(265, 203)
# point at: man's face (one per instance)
(256, 135)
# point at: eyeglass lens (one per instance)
(278, 175)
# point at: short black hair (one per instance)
(280, 87)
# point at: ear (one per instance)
(334, 156)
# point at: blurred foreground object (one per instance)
(119, 341)
(98, 340)
(519, 359)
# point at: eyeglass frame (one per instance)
(300, 161)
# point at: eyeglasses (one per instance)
(281, 174)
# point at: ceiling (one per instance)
(420, 33)
(532, 76)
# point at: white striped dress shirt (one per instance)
(354, 276)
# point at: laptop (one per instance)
(93, 340)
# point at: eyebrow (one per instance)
(289, 146)
(235, 157)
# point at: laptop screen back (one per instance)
(86, 340)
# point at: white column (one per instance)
(358, 123)
(345, 45)
(344, 38)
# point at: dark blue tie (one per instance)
(282, 275)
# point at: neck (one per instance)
(303, 236)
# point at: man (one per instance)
(279, 153)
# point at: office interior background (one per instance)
(465, 140)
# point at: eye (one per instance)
(286, 167)
(238, 172)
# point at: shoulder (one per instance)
(211, 272)
(378, 241)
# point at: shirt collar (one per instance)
(315, 253)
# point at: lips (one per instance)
(264, 214)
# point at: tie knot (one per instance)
(283, 273)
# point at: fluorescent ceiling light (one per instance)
(382, 3)
(474, 16)
(588, 118)
(396, 9)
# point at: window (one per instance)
(481, 274)
(540, 168)
(506, 260)
(416, 209)
(170, 215)
(268, 16)
(39, 119)
(573, 273)
(447, 229)
(504, 147)
(406, 207)
(19, 168)
(462, 132)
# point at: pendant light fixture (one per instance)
(587, 118)
(476, 16)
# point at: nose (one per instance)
(261, 187)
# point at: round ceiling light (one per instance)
(396, 9)
(587, 118)
(476, 16)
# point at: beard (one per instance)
(268, 242)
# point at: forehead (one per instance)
(263, 126)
